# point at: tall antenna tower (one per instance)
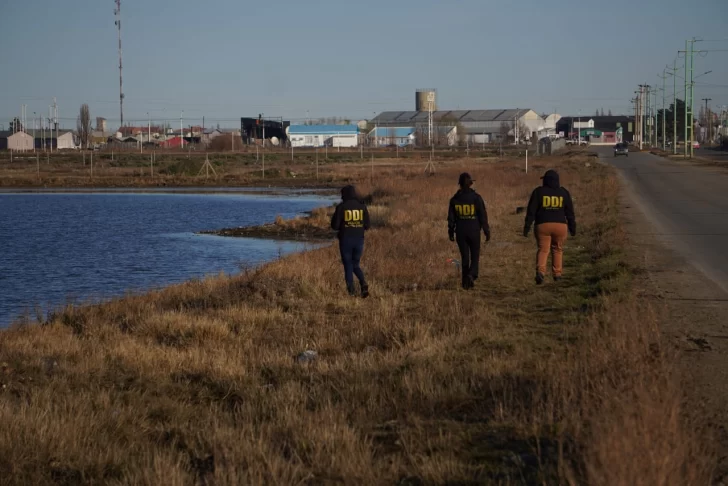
(117, 13)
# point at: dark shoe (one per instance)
(364, 291)
(351, 290)
(557, 279)
(539, 278)
(468, 283)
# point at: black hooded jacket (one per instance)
(351, 217)
(467, 213)
(550, 203)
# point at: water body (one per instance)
(85, 247)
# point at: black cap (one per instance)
(550, 172)
(465, 179)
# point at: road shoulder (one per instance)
(695, 322)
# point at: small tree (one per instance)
(505, 129)
(222, 142)
(83, 126)
(392, 136)
(523, 131)
(16, 125)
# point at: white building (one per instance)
(323, 135)
(550, 125)
(18, 141)
(65, 140)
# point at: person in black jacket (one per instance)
(466, 218)
(553, 211)
(351, 220)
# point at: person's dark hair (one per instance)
(465, 181)
(348, 193)
(551, 179)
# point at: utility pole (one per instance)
(646, 113)
(674, 107)
(654, 113)
(181, 131)
(707, 117)
(664, 77)
(117, 13)
(640, 121)
(689, 95)
(686, 101)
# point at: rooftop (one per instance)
(453, 115)
(323, 129)
(396, 132)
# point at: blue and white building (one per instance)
(323, 135)
(387, 136)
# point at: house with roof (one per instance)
(388, 136)
(18, 141)
(323, 135)
(56, 140)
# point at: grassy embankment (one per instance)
(71, 169)
(420, 384)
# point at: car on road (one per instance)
(696, 145)
(621, 149)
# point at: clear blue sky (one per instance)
(223, 59)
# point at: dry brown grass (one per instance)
(421, 384)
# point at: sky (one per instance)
(223, 59)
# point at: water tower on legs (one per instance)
(426, 100)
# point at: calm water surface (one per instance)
(75, 247)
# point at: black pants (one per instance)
(351, 250)
(469, 245)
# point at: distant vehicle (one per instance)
(576, 141)
(621, 149)
(696, 145)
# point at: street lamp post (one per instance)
(579, 130)
(692, 104)
(181, 131)
(674, 106)
(262, 119)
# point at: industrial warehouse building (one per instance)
(479, 126)
(323, 135)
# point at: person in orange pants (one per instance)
(552, 209)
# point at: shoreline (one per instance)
(279, 370)
(222, 189)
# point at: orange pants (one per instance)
(551, 238)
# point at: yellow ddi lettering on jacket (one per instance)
(465, 211)
(354, 217)
(553, 202)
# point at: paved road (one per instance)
(687, 204)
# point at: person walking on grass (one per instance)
(466, 218)
(351, 220)
(551, 208)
